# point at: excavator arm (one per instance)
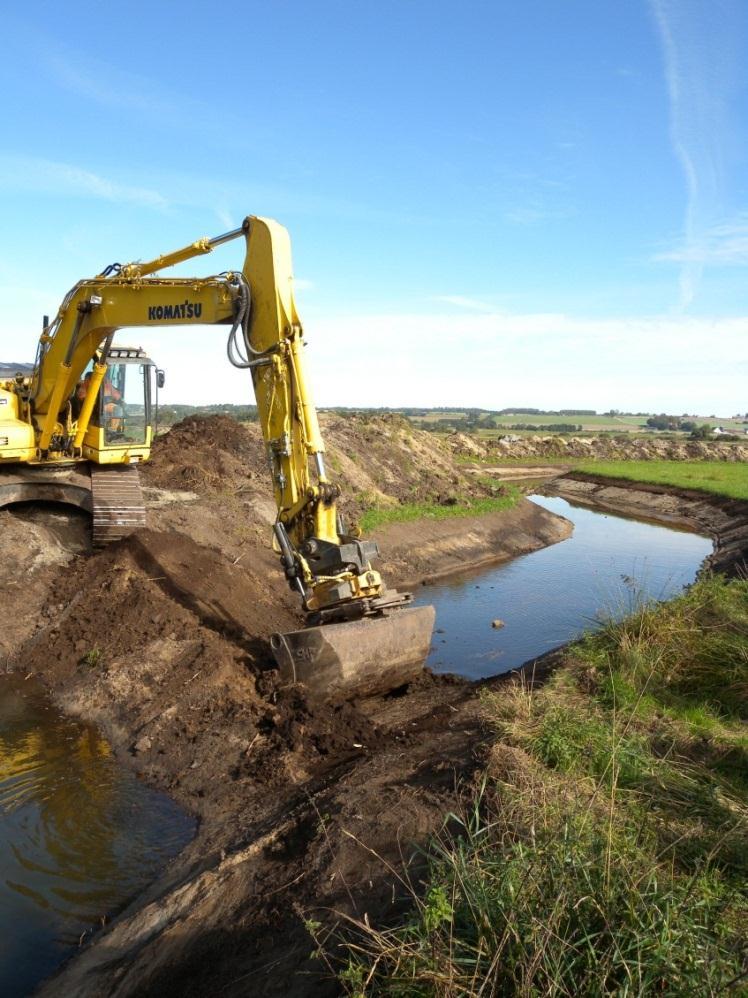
(330, 568)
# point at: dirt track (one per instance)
(304, 809)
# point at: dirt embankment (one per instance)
(304, 808)
(624, 447)
(724, 520)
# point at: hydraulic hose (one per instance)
(241, 322)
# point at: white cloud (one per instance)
(532, 214)
(473, 304)
(71, 73)
(673, 363)
(724, 244)
(31, 174)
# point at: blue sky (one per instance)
(492, 204)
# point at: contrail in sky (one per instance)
(699, 42)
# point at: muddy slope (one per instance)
(304, 808)
(724, 520)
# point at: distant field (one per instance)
(492, 424)
(622, 423)
(719, 477)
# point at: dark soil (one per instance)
(205, 453)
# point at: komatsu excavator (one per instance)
(75, 427)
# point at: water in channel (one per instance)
(608, 566)
(80, 835)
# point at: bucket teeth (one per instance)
(358, 658)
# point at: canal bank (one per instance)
(724, 520)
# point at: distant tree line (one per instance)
(665, 422)
(168, 415)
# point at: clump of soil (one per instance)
(204, 453)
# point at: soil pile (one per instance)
(377, 460)
(35, 544)
(165, 643)
(620, 448)
(383, 460)
(204, 453)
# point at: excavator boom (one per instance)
(71, 417)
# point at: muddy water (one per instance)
(608, 566)
(79, 834)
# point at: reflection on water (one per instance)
(549, 597)
(79, 834)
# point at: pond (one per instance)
(80, 835)
(608, 566)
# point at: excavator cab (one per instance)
(124, 417)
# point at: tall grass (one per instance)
(606, 850)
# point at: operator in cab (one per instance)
(112, 400)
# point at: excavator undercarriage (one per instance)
(112, 495)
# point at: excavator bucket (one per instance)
(358, 658)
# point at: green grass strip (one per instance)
(722, 478)
(380, 516)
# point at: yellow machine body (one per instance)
(68, 411)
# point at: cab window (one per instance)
(122, 404)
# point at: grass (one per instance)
(92, 658)
(605, 851)
(379, 516)
(718, 477)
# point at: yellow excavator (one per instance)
(75, 427)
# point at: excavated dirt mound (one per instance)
(377, 460)
(204, 453)
(617, 448)
(165, 643)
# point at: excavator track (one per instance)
(118, 507)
